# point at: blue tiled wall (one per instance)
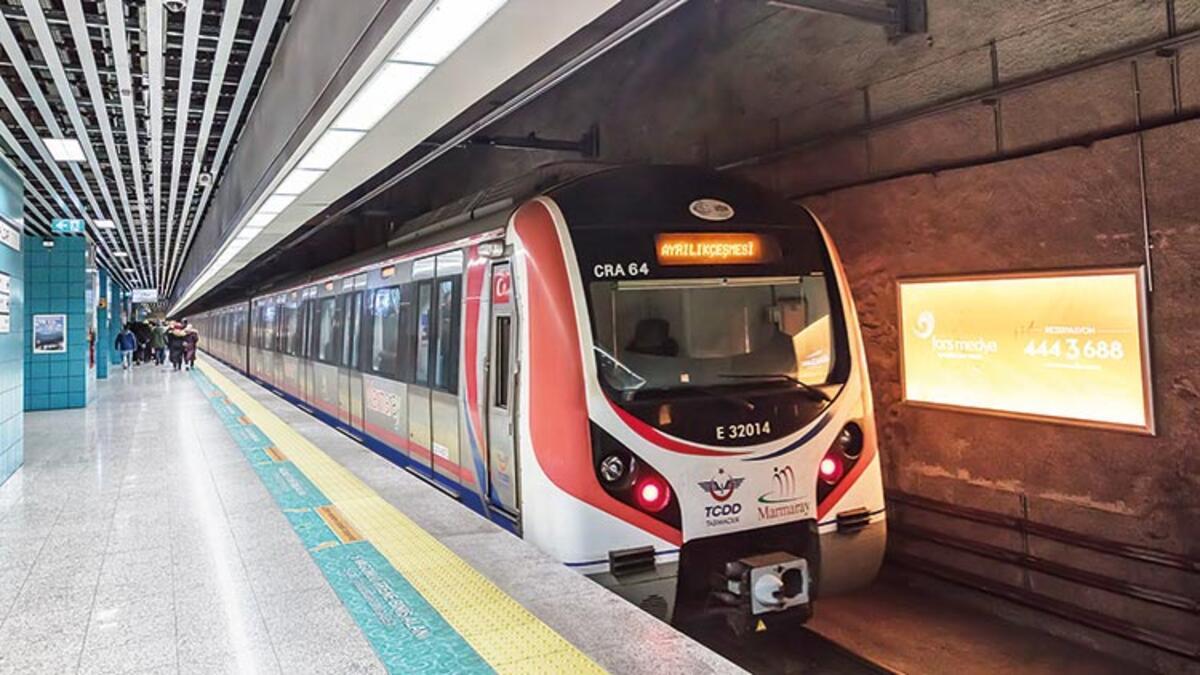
(56, 283)
(117, 312)
(12, 345)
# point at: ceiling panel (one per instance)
(155, 93)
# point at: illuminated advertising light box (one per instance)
(1059, 346)
(715, 248)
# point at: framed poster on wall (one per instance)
(49, 333)
(1062, 346)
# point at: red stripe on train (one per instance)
(558, 421)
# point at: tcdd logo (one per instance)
(715, 510)
(721, 486)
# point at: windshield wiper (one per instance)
(813, 392)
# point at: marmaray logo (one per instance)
(785, 487)
(925, 322)
(721, 486)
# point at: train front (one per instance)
(728, 407)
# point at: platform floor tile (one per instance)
(421, 606)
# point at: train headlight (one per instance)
(850, 440)
(612, 469)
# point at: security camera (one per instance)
(175, 5)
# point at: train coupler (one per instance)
(771, 588)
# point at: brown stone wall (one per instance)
(1074, 207)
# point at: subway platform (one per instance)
(192, 522)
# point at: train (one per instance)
(655, 374)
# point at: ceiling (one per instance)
(155, 91)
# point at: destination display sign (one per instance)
(715, 248)
(140, 295)
(1062, 346)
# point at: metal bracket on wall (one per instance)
(898, 17)
(588, 144)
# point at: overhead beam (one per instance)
(262, 37)
(899, 17)
(83, 48)
(115, 13)
(229, 24)
(191, 38)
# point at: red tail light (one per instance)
(652, 493)
(831, 468)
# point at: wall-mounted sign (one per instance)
(715, 248)
(68, 226)
(5, 284)
(138, 295)
(49, 333)
(10, 236)
(5, 323)
(5, 303)
(1062, 346)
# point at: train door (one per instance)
(446, 412)
(420, 410)
(307, 350)
(501, 393)
(350, 382)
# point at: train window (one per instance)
(503, 362)
(445, 354)
(693, 334)
(423, 328)
(385, 329)
(268, 327)
(326, 329)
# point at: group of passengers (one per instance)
(142, 342)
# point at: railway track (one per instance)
(795, 652)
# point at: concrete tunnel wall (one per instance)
(1077, 206)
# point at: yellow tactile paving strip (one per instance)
(505, 634)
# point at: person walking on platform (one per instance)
(158, 343)
(126, 344)
(190, 340)
(175, 345)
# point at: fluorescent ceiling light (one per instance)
(275, 204)
(64, 149)
(329, 148)
(443, 29)
(105, 225)
(129, 270)
(259, 221)
(298, 181)
(119, 254)
(387, 87)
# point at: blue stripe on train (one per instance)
(468, 498)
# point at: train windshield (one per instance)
(671, 335)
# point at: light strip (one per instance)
(386, 88)
(443, 29)
(298, 181)
(329, 148)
